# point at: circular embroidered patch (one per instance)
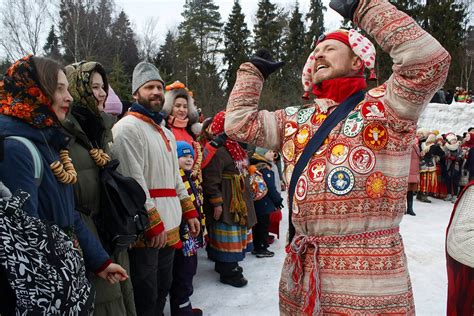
(373, 110)
(288, 150)
(377, 92)
(376, 185)
(301, 188)
(338, 152)
(302, 137)
(317, 170)
(291, 110)
(318, 118)
(353, 124)
(321, 152)
(362, 159)
(290, 128)
(375, 136)
(288, 172)
(304, 115)
(340, 180)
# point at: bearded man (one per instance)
(147, 152)
(346, 256)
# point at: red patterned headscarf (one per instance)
(22, 97)
(236, 151)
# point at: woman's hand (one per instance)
(217, 212)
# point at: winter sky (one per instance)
(168, 12)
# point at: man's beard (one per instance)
(152, 107)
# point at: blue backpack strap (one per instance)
(37, 161)
(341, 112)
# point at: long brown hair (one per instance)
(47, 71)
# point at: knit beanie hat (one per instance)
(143, 73)
(184, 148)
(360, 45)
(113, 105)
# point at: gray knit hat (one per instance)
(143, 73)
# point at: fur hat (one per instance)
(183, 148)
(450, 137)
(143, 73)
(175, 90)
(359, 44)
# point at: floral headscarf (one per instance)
(79, 76)
(237, 153)
(22, 97)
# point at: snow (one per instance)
(423, 236)
(454, 117)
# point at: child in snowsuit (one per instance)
(185, 260)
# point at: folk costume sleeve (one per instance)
(460, 241)
(128, 149)
(421, 64)
(243, 121)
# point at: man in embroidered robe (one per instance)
(347, 256)
(147, 152)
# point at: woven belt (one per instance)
(158, 193)
(299, 245)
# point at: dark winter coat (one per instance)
(218, 191)
(470, 162)
(454, 162)
(51, 201)
(272, 200)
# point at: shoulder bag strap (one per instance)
(340, 113)
(37, 161)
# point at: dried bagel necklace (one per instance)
(63, 169)
(99, 156)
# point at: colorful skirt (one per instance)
(429, 182)
(228, 243)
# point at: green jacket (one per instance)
(114, 299)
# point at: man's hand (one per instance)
(194, 226)
(217, 212)
(113, 273)
(264, 62)
(346, 8)
(158, 241)
(219, 140)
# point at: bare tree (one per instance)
(148, 42)
(23, 22)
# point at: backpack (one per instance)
(122, 217)
(258, 186)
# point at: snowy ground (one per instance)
(423, 236)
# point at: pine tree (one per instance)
(315, 17)
(295, 56)
(167, 60)
(51, 48)
(124, 43)
(450, 31)
(119, 80)
(267, 31)
(237, 45)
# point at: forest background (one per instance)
(204, 51)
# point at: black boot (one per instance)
(424, 198)
(231, 273)
(410, 204)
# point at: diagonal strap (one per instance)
(316, 141)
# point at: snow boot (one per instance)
(448, 197)
(424, 198)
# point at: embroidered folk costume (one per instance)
(347, 256)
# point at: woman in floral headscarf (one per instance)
(228, 206)
(34, 99)
(91, 128)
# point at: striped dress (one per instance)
(348, 257)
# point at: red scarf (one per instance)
(237, 153)
(339, 89)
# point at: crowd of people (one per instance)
(214, 183)
(441, 166)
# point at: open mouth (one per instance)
(319, 67)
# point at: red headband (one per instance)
(341, 36)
